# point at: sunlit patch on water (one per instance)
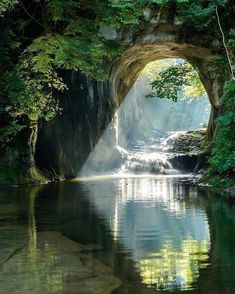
(121, 175)
(169, 269)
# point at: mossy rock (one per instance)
(190, 142)
(15, 176)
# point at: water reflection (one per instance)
(170, 269)
(48, 262)
(166, 236)
(157, 235)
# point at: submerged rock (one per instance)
(52, 263)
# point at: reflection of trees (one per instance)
(32, 223)
(169, 268)
(143, 214)
(39, 257)
(221, 215)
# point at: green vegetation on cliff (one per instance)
(222, 162)
(41, 39)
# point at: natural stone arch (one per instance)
(129, 66)
(137, 57)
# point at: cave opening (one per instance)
(146, 133)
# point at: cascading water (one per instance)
(115, 123)
(139, 158)
(124, 153)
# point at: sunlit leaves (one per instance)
(56, 51)
(170, 81)
(29, 93)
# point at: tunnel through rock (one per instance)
(153, 135)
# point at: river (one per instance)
(138, 234)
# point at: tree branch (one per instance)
(26, 11)
(224, 43)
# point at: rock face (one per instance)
(64, 143)
(186, 149)
(189, 142)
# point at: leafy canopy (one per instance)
(170, 81)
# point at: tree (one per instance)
(180, 77)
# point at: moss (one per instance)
(15, 176)
(35, 176)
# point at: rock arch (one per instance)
(126, 70)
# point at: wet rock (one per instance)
(189, 142)
(108, 32)
(12, 239)
(184, 162)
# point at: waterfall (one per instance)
(123, 152)
(141, 158)
(116, 128)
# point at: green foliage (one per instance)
(29, 96)
(221, 170)
(55, 51)
(231, 42)
(40, 39)
(60, 10)
(117, 13)
(200, 14)
(7, 5)
(8, 132)
(170, 81)
(197, 14)
(222, 161)
(28, 82)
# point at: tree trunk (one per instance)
(211, 128)
(31, 144)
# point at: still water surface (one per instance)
(148, 234)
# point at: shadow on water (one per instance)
(157, 235)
